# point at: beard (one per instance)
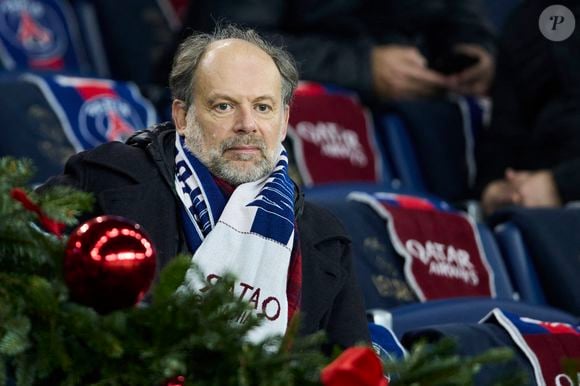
(235, 171)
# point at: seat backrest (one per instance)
(50, 117)
(496, 260)
(468, 310)
(333, 138)
(402, 153)
(381, 268)
(551, 247)
(519, 263)
(31, 128)
(41, 35)
(431, 144)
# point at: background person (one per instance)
(530, 155)
(382, 49)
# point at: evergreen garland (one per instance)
(48, 340)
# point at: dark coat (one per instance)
(136, 181)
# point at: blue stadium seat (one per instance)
(519, 262)
(541, 248)
(496, 261)
(467, 310)
(48, 118)
(431, 144)
(379, 267)
(42, 35)
(401, 152)
(31, 128)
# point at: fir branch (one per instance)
(15, 340)
(64, 204)
(26, 249)
(437, 364)
(15, 172)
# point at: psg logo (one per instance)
(107, 118)
(33, 28)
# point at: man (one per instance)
(215, 184)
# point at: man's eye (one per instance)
(263, 108)
(223, 107)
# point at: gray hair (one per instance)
(192, 49)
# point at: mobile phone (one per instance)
(453, 62)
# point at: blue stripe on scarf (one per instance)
(199, 208)
(216, 198)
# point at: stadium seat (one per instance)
(431, 144)
(519, 263)
(402, 153)
(31, 128)
(466, 310)
(333, 139)
(48, 118)
(541, 248)
(380, 268)
(42, 35)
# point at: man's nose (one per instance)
(245, 120)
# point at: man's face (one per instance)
(237, 121)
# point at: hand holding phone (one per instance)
(453, 62)
(469, 68)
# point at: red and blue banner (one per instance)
(549, 346)
(95, 111)
(40, 35)
(441, 246)
(333, 137)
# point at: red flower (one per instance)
(356, 366)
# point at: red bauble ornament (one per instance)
(109, 263)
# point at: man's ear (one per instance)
(179, 113)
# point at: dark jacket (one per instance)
(332, 39)
(536, 103)
(136, 181)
